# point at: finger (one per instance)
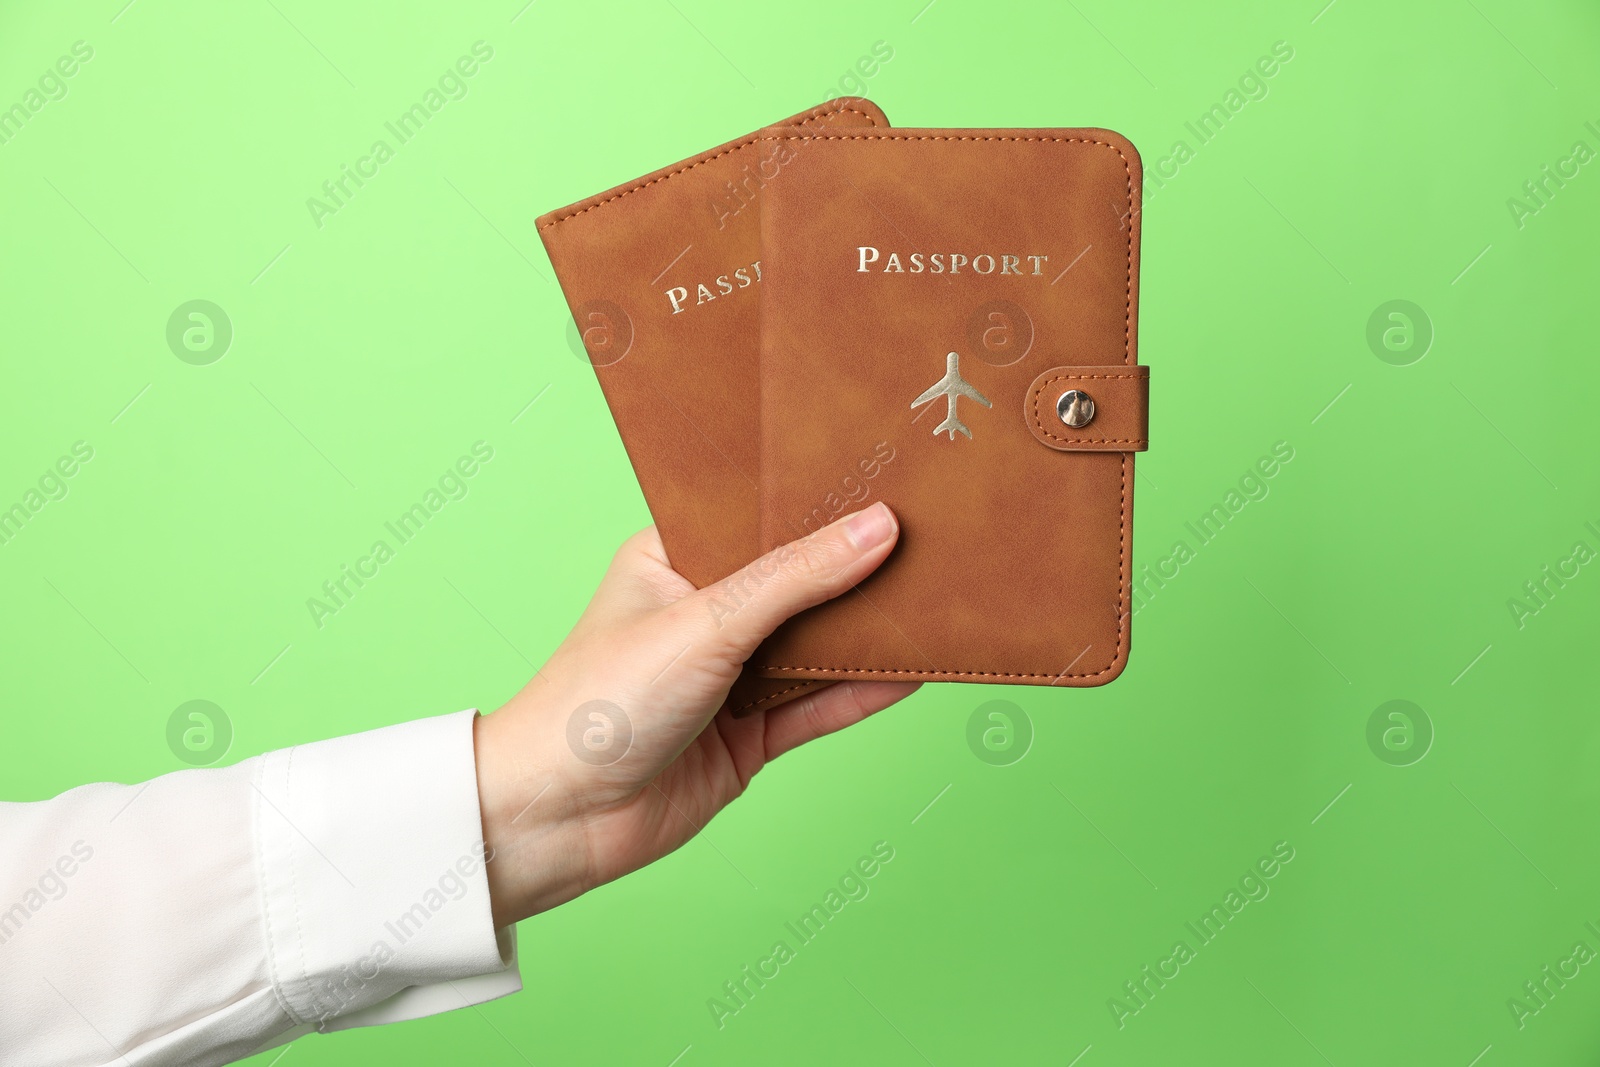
(638, 579)
(828, 711)
(746, 606)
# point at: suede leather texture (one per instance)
(681, 377)
(1015, 555)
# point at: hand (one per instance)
(574, 796)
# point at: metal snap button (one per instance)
(1076, 408)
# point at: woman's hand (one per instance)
(616, 753)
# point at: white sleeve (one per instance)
(210, 914)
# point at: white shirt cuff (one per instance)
(374, 897)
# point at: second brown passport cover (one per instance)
(662, 275)
(928, 299)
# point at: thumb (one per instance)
(749, 604)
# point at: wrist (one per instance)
(536, 846)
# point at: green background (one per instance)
(369, 353)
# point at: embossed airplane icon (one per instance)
(952, 386)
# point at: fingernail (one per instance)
(870, 527)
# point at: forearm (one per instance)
(210, 913)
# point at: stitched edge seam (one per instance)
(259, 779)
(1127, 352)
(890, 670)
(1042, 424)
(771, 697)
(294, 884)
(704, 159)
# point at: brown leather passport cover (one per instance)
(661, 275)
(927, 299)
